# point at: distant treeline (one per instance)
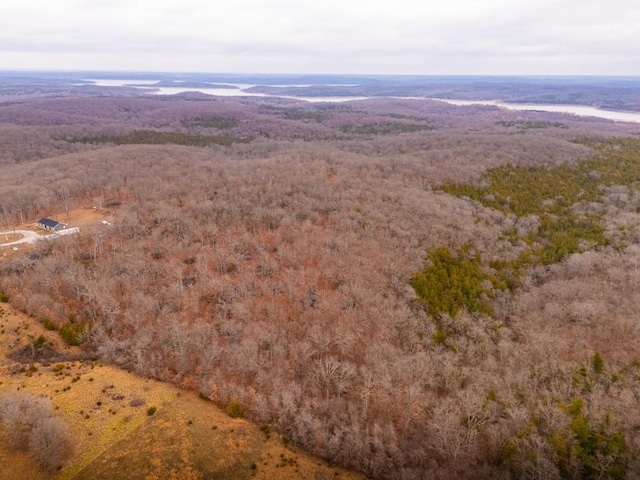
(221, 123)
(154, 137)
(386, 128)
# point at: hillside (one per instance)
(106, 411)
(401, 287)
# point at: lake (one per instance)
(581, 110)
(239, 90)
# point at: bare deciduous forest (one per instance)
(404, 287)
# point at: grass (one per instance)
(9, 237)
(186, 438)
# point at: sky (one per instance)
(424, 37)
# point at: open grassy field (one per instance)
(107, 411)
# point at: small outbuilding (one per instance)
(52, 225)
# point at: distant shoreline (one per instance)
(573, 109)
(580, 95)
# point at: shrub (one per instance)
(71, 333)
(152, 410)
(235, 410)
(39, 342)
(58, 367)
(48, 324)
(266, 429)
(3, 298)
(597, 363)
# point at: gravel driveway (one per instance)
(28, 237)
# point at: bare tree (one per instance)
(29, 424)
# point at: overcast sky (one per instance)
(593, 37)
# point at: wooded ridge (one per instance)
(404, 287)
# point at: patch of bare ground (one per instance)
(88, 219)
(107, 412)
(82, 217)
(8, 251)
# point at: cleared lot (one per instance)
(27, 237)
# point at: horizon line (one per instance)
(397, 75)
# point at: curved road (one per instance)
(27, 237)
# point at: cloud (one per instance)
(356, 36)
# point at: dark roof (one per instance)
(48, 222)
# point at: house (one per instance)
(53, 225)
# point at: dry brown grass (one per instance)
(10, 237)
(188, 438)
(86, 217)
(9, 252)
